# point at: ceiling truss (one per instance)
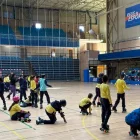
(79, 5)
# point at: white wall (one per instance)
(126, 33)
(9, 50)
(121, 36)
(102, 25)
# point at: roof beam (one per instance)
(1, 3)
(96, 5)
(87, 3)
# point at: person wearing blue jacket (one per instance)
(133, 120)
(43, 89)
(2, 94)
(23, 88)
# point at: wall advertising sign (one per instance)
(132, 16)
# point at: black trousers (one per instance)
(19, 115)
(52, 118)
(134, 129)
(3, 99)
(7, 86)
(106, 110)
(85, 107)
(34, 97)
(28, 84)
(23, 93)
(120, 96)
(47, 96)
(97, 90)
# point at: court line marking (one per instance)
(14, 132)
(19, 121)
(87, 130)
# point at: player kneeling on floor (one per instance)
(133, 119)
(16, 113)
(85, 103)
(51, 110)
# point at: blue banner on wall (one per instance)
(132, 16)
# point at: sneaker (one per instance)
(105, 127)
(94, 104)
(90, 113)
(98, 104)
(114, 109)
(27, 120)
(37, 122)
(40, 119)
(124, 110)
(132, 134)
(41, 107)
(36, 106)
(84, 112)
(8, 97)
(4, 108)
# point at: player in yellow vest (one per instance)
(85, 104)
(106, 102)
(121, 86)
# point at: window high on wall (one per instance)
(38, 25)
(81, 28)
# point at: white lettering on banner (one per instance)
(133, 16)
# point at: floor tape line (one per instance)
(20, 121)
(87, 130)
(14, 132)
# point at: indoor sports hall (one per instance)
(70, 48)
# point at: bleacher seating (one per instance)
(56, 68)
(133, 74)
(45, 37)
(6, 30)
(33, 32)
(13, 64)
(7, 36)
(35, 37)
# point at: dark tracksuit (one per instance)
(52, 116)
(133, 119)
(121, 86)
(19, 115)
(23, 88)
(2, 93)
(106, 102)
(97, 90)
(13, 81)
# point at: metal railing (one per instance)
(40, 55)
(121, 50)
(46, 38)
